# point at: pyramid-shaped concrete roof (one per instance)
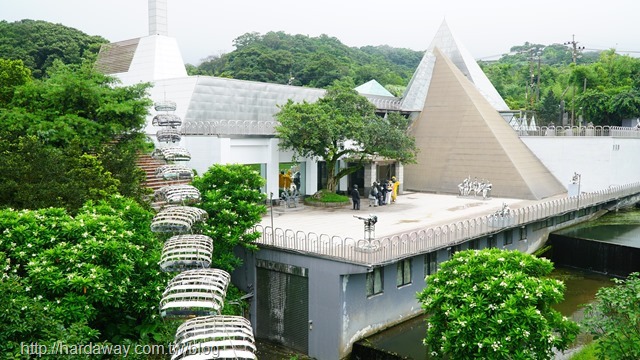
(460, 134)
(415, 94)
(373, 87)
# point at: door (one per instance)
(282, 302)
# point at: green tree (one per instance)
(494, 304)
(89, 277)
(75, 117)
(33, 176)
(614, 318)
(39, 44)
(13, 73)
(232, 198)
(343, 125)
(281, 58)
(549, 109)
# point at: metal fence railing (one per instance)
(229, 127)
(389, 249)
(613, 131)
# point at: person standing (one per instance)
(389, 193)
(396, 185)
(373, 195)
(355, 197)
(381, 193)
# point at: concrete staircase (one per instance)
(149, 165)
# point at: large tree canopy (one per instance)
(343, 125)
(13, 73)
(495, 304)
(70, 137)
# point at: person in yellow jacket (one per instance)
(396, 185)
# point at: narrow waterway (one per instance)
(581, 286)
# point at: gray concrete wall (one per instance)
(325, 313)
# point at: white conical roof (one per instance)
(415, 95)
(373, 87)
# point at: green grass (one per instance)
(327, 197)
(588, 352)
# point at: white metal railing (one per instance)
(613, 131)
(407, 244)
(229, 127)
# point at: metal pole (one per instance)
(273, 237)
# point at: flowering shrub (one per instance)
(232, 198)
(494, 304)
(89, 277)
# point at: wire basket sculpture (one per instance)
(186, 252)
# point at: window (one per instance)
(508, 237)
(403, 275)
(473, 244)
(375, 283)
(492, 242)
(430, 264)
(523, 233)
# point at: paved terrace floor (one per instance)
(411, 211)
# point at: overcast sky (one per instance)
(486, 28)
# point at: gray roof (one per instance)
(116, 57)
(217, 98)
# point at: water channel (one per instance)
(581, 286)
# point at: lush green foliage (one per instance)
(615, 319)
(35, 176)
(232, 198)
(69, 138)
(13, 73)
(39, 44)
(277, 57)
(603, 87)
(89, 277)
(343, 124)
(494, 304)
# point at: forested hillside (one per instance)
(600, 87)
(39, 43)
(281, 58)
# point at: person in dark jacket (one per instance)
(355, 197)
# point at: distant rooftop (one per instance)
(373, 87)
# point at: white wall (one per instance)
(602, 161)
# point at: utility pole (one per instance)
(574, 55)
(532, 93)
